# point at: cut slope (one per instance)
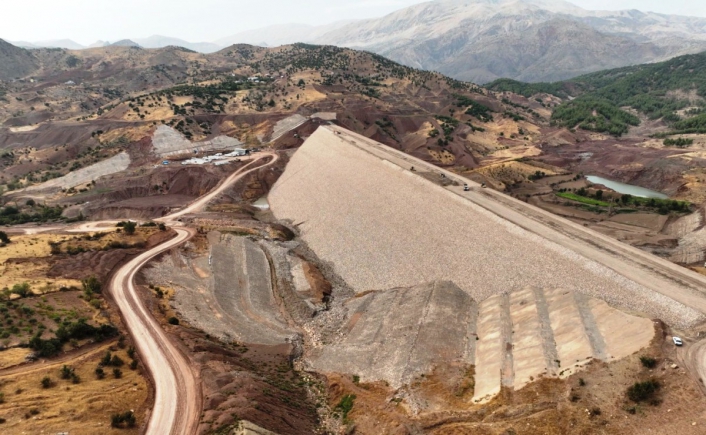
(382, 227)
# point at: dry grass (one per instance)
(12, 357)
(444, 157)
(18, 271)
(83, 408)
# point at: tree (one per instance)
(129, 228)
(91, 285)
(100, 374)
(4, 238)
(22, 290)
(599, 194)
(105, 361)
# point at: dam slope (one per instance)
(383, 225)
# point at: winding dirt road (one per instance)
(178, 396)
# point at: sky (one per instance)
(87, 21)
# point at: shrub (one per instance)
(642, 391)
(4, 238)
(66, 372)
(22, 290)
(116, 361)
(91, 285)
(126, 419)
(129, 228)
(346, 405)
(648, 362)
(105, 361)
(100, 374)
(133, 364)
(117, 373)
(46, 382)
(173, 321)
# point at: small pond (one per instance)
(628, 189)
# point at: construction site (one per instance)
(394, 273)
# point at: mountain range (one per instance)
(483, 40)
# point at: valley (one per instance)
(313, 239)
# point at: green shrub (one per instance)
(642, 391)
(22, 290)
(46, 382)
(126, 419)
(345, 406)
(648, 362)
(66, 372)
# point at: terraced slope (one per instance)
(512, 339)
(227, 293)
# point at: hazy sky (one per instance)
(86, 21)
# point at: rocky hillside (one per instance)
(15, 62)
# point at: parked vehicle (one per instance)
(677, 341)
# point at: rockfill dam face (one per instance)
(358, 204)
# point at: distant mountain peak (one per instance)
(126, 43)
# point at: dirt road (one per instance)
(178, 395)
(178, 398)
(237, 175)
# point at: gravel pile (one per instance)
(383, 227)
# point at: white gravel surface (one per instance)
(384, 227)
(115, 164)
